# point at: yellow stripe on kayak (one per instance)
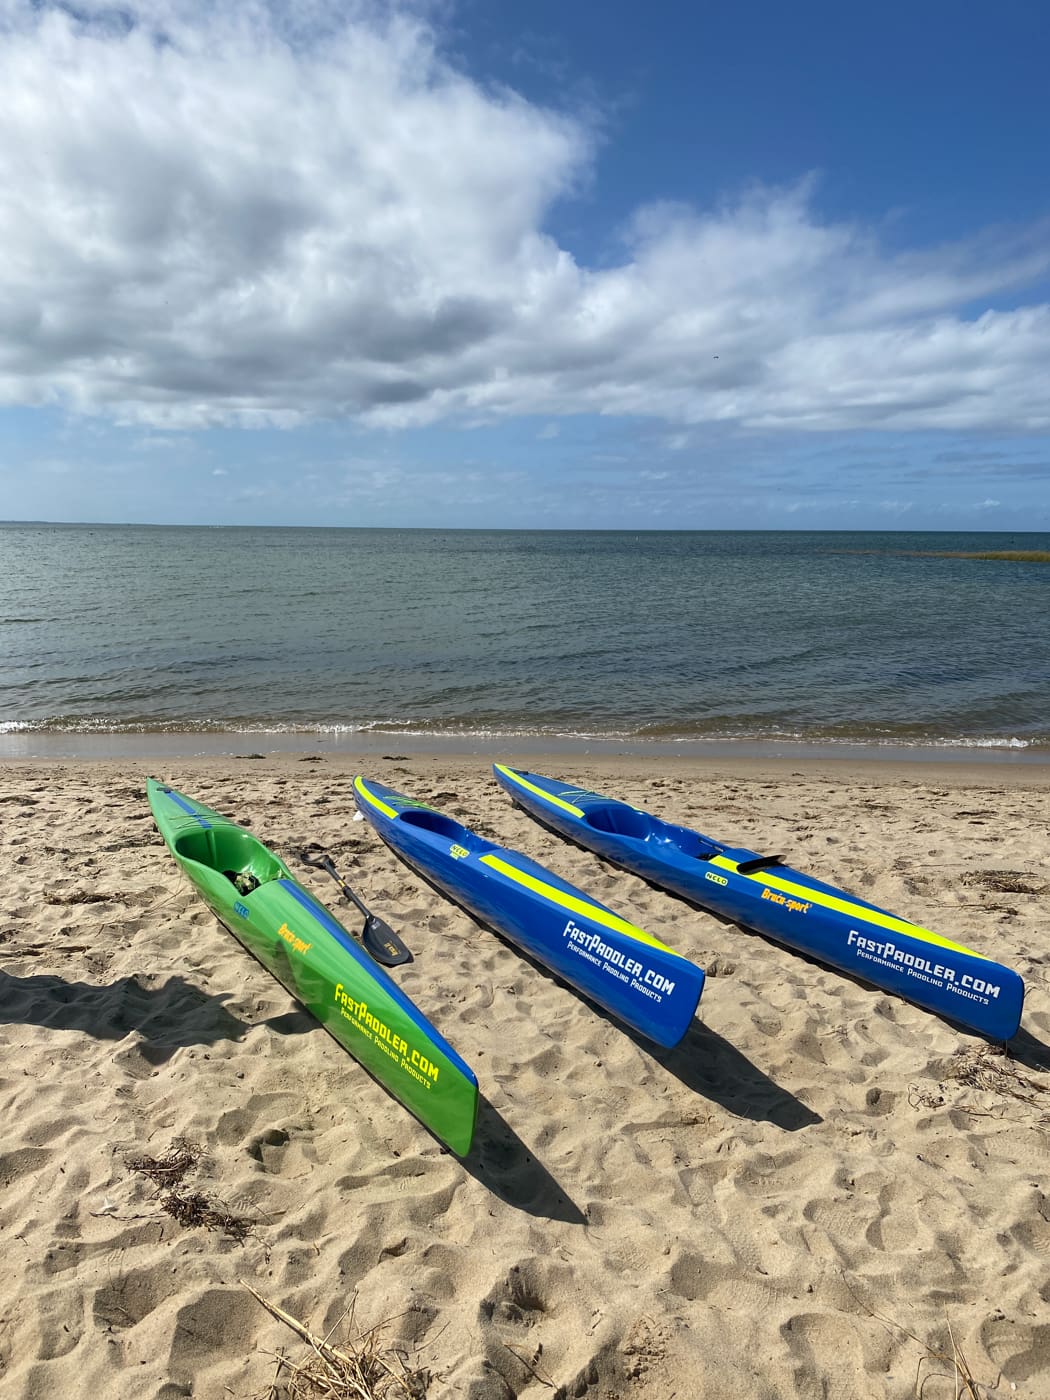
(847, 907)
(547, 797)
(359, 786)
(594, 912)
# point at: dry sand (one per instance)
(818, 1171)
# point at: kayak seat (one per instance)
(229, 848)
(619, 819)
(445, 827)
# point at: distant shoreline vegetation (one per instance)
(1019, 556)
(1014, 556)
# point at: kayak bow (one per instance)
(295, 938)
(619, 966)
(763, 894)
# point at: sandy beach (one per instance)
(824, 1191)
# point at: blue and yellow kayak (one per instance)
(761, 893)
(622, 968)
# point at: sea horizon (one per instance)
(513, 529)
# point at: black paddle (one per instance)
(378, 937)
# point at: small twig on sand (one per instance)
(990, 1069)
(965, 1385)
(357, 1370)
(168, 1170)
(544, 1380)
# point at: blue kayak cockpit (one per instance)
(619, 819)
(437, 824)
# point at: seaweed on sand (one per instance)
(189, 1208)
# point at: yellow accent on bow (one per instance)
(359, 786)
(547, 797)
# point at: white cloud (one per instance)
(158, 442)
(310, 212)
(896, 507)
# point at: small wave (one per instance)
(872, 741)
(102, 725)
(469, 730)
(989, 743)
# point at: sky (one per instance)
(492, 264)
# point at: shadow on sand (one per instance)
(1027, 1051)
(702, 1060)
(177, 1014)
(501, 1162)
(709, 1065)
(167, 1017)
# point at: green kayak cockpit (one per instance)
(231, 851)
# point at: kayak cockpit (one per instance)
(618, 819)
(232, 852)
(437, 824)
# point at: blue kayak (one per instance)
(763, 894)
(621, 967)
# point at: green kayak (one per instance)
(295, 937)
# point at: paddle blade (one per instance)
(383, 944)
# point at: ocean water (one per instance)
(820, 638)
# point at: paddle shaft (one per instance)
(378, 937)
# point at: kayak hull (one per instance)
(786, 905)
(310, 953)
(627, 972)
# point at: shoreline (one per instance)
(234, 744)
